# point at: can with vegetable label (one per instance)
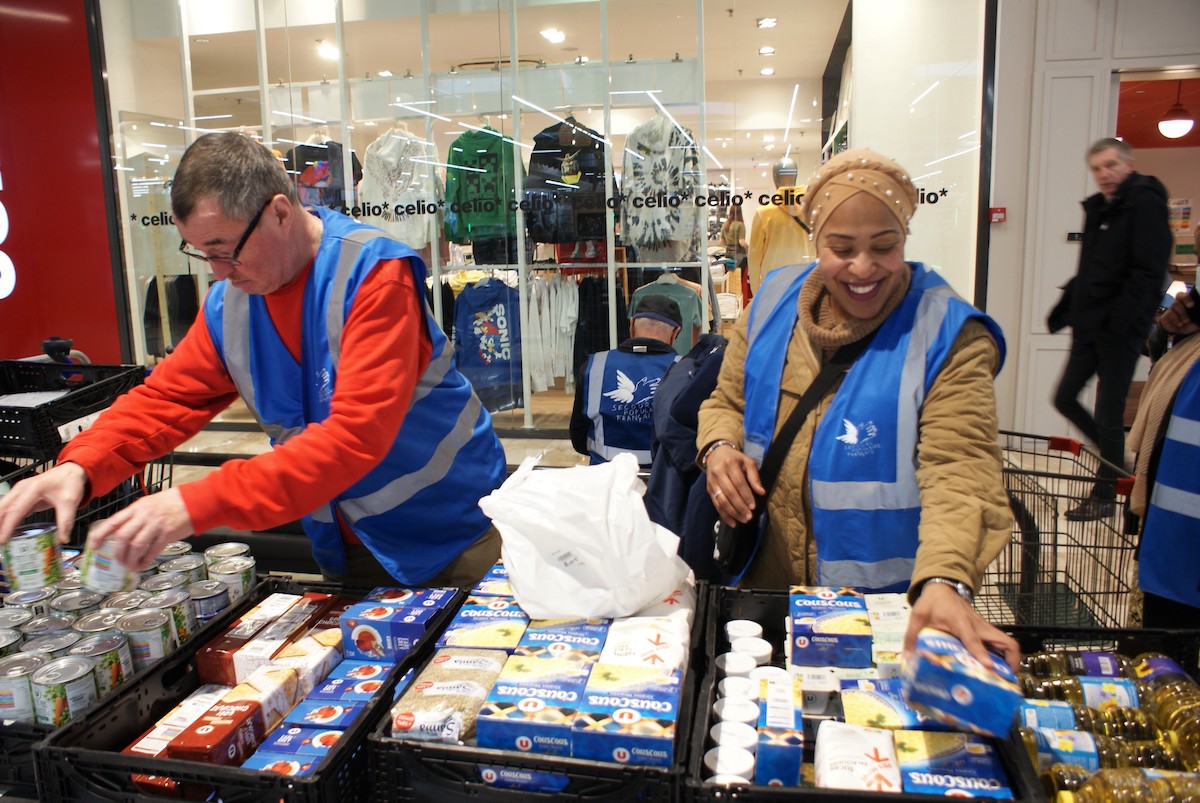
(209, 598)
(16, 692)
(35, 600)
(10, 641)
(100, 571)
(237, 573)
(54, 645)
(68, 583)
(126, 600)
(175, 549)
(47, 624)
(179, 605)
(230, 549)
(191, 566)
(76, 603)
(164, 581)
(32, 557)
(150, 635)
(63, 689)
(101, 623)
(114, 662)
(14, 617)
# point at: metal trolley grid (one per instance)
(1054, 571)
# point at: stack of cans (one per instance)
(69, 637)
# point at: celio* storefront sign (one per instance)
(8, 271)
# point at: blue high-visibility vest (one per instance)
(618, 400)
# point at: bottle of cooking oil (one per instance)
(1100, 693)
(1118, 721)
(1049, 746)
(1064, 778)
(1094, 663)
(1118, 785)
(1156, 669)
(1173, 705)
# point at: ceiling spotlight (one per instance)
(326, 51)
(454, 69)
(408, 74)
(1178, 121)
(541, 65)
(581, 59)
(766, 51)
(676, 60)
(767, 22)
(384, 73)
(631, 59)
(767, 71)
(554, 36)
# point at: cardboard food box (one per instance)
(214, 661)
(227, 733)
(950, 764)
(486, 623)
(828, 627)
(532, 705)
(628, 715)
(374, 631)
(945, 681)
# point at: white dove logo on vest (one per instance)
(633, 399)
(856, 437)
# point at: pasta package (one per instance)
(443, 702)
(828, 627)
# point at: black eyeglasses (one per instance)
(232, 259)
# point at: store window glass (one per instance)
(554, 164)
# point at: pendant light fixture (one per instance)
(1178, 121)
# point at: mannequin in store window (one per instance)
(380, 447)
(778, 235)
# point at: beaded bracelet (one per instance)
(711, 447)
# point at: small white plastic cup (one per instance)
(723, 760)
(734, 734)
(757, 648)
(736, 686)
(725, 780)
(736, 709)
(767, 672)
(735, 664)
(741, 628)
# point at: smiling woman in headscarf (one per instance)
(893, 482)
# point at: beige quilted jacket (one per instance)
(965, 518)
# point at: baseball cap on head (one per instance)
(659, 308)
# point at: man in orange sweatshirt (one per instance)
(319, 323)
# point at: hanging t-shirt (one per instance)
(565, 186)
(690, 311)
(399, 186)
(481, 180)
(487, 331)
(319, 174)
(662, 163)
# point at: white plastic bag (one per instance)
(578, 541)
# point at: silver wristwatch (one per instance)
(963, 589)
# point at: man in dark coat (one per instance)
(1110, 306)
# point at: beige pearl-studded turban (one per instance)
(854, 171)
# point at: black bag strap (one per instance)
(841, 361)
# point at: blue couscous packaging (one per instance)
(945, 681)
(950, 764)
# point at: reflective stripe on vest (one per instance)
(862, 462)
(1169, 561)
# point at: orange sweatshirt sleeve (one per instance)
(385, 349)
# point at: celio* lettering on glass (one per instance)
(8, 271)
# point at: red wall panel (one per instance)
(56, 275)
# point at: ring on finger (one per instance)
(719, 492)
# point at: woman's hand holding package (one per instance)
(940, 607)
(733, 484)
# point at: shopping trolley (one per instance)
(1055, 571)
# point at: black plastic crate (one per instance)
(414, 770)
(769, 608)
(1183, 646)
(82, 761)
(34, 431)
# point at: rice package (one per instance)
(681, 603)
(828, 627)
(945, 681)
(950, 764)
(442, 703)
(855, 757)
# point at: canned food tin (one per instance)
(126, 600)
(46, 624)
(100, 571)
(69, 584)
(54, 645)
(32, 557)
(191, 566)
(102, 622)
(114, 663)
(149, 633)
(176, 602)
(63, 689)
(209, 598)
(230, 549)
(10, 641)
(36, 600)
(237, 573)
(163, 582)
(14, 617)
(16, 692)
(175, 549)
(76, 603)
